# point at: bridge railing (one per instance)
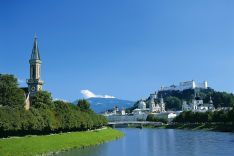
(134, 122)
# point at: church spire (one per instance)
(161, 99)
(35, 83)
(35, 51)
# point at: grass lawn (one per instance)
(36, 145)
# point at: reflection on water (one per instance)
(162, 142)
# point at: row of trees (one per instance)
(206, 117)
(44, 116)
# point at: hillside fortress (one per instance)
(34, 82)
(186, 85)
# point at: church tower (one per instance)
(162, 104)
(152, 103)
(35, 83)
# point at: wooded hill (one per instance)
(174, 99)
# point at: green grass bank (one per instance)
(48, 144)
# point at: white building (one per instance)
(162, 105)
(156, 107)
(197, 105)
(152, 105)
(141, 113)
(186, 85)
(123, 112)
(142, 104)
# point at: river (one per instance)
(162, 142)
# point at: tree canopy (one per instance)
(83, 104)
(44, 116)
(42, 99)
(206, 117)
(10, 94)
(173, 103)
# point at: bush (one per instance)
(153, 118)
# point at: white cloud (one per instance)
(57, 99)
(21, 81)
(88, 94)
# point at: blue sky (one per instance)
(124, 48)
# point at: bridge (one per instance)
(140, 124)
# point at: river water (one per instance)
(162, 142)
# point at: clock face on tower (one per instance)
(33, 88)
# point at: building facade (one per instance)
(197, 105)
(142, 105)
(155, 107)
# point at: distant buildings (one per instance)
(141, 108)
(197, 105)
(142, 105)
(186, 85)
(115, 111)
(154, 106)
(142, 111)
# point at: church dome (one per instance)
(142, 105)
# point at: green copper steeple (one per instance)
(35, 51)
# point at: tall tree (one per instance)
(10, 94)
(83, 104)
(42, 99)
(173, 103)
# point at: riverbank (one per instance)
(201, 126)
(49, 144)
(162, 142)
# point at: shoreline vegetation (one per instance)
(199, 126)
(217, 127)
(222, 121)
(55, 143)
(215, 121)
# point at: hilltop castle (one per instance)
(186, 85)
(34, 82)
